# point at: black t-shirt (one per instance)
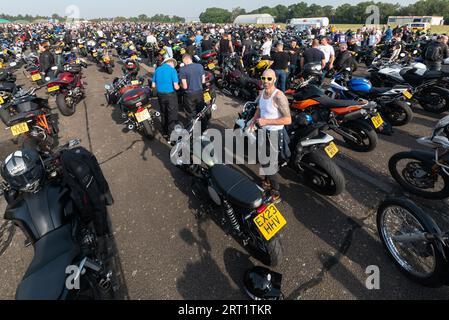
(313, 55)
(248, 44)
(281, 60)
(295, 56)
(206, 45)
(224, 46)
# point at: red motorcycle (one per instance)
(68, 88)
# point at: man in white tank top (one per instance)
(272, 115)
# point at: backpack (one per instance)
(433, 52)
(88, 187)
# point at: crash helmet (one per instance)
(263, 284)
(23, 170)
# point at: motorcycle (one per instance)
(425, 173)
(348, 118)
(137, 111)
(52, 224)
(426, 87)
(68, 88)
(392, 102)
(312, 151)
(120, 86)
(26, 114)
(416, 244)
(252, 217)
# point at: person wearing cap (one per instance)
(192, 78)
(166, 82)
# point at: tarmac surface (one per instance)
(164, 251)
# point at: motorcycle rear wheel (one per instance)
(148, 129)
(437, 103)
(67, 109)
(269, 252)
(398, 113)
(421, 261)
(366, 136)
(322, 174)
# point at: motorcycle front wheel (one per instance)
(420, 260)
(365, 135)
(411, 172)
(322, 174)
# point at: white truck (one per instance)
(301, 24)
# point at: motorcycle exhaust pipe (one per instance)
(355, 115)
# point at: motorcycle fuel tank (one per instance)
(360, 85)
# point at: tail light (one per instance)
(34, 72)
(262, 209)
(132, 97)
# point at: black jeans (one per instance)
(168, 103)
(194, 104)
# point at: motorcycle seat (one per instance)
(8, 87)
(21, 117)
(236, 187)
(432, 74)
(327, 102)
(46, 276)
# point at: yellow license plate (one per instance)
(53, 89)
(207, 97)
(95, 54)
(135, 82)
(407, 94)
(19, 128)
(1, 100)
(142, 116)
(211, 66)
(331, 150)
(134, 57)
(377, 121)
(103, 44)
(1, 65)
(270, 222)
(81, 46)
(36, 77)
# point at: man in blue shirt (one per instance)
(166, 82)
(192, 78)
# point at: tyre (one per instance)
(109, 70)
(432, 101)
(398, 113)
(420, 260)
(269, 252)
(66, 106)
(366, 136)
(322, 174)
(413, 171)
(148, 129)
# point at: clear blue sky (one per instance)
(184, 8)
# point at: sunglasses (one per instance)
(266, 78)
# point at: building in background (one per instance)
(262, 18)
(403, 20)
(306, 23)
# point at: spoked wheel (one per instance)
(411, 171)
(365, 135)
(268, 252)
(402, 226)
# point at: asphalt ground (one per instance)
(164, 250)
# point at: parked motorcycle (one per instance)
(425, 173)
(41, 206)
(68, 88)
(312, 151)
(252, 217)
(392, 102)
(416, 244)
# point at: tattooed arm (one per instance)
(281, 102)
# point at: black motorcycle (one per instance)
(67, 263)
(242, 205)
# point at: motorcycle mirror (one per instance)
(47, 79)
(54, 68)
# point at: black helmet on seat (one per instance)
(23, 170)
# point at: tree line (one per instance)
(345, 13)
(162, 18)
